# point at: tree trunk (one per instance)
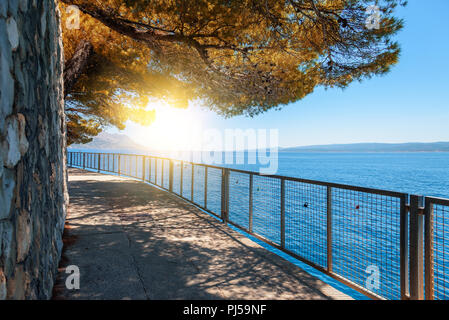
(76, 65)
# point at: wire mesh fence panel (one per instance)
(146, 167)
(306, 221)
(198, 185)
(133, 169)
(214, 190)
(239, 198)
(115, 163)
(441, 251)
(110, 166)
(366, 240)
(267, 208)
(138, 165)
(104, 161)
(123, 165)
(95, 161)
(166, 175)
(127, 166)
(177, 177)
(186, 180)
(159, 172)
(152, 170)
(133, 166)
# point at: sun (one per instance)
(174, 129)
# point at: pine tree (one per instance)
(235, 56)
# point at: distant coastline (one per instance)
(107, 141)
(374, 148)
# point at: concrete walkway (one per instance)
(133, 241)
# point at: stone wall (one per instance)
(33, 193)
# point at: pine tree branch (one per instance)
(75, 67)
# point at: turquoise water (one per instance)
(365, 227)
(414, 173)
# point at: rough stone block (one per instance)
(23, 235)
(13, 33)
(6, 193)
(16, 143)
(2, 285)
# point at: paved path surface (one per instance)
(134, 241)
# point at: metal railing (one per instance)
(384, 244)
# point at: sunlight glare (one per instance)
(174, 129)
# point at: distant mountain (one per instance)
(374, 147)
(110, 141)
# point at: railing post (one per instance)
(170, 183)
(182, 179)
(192, 182)
(119, 164)
(282, 213)
(205, 187)
(429, 264)
(162, 173)
(329, 229)
(149, 169)
(99, 162)
(224, 194)
(404, 254)
(143, 168)
(155, 171)
(84, 160)
(416, 250)
(250, 209)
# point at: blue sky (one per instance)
(411, 103)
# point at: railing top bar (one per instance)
(316, 182)
(440, 201)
